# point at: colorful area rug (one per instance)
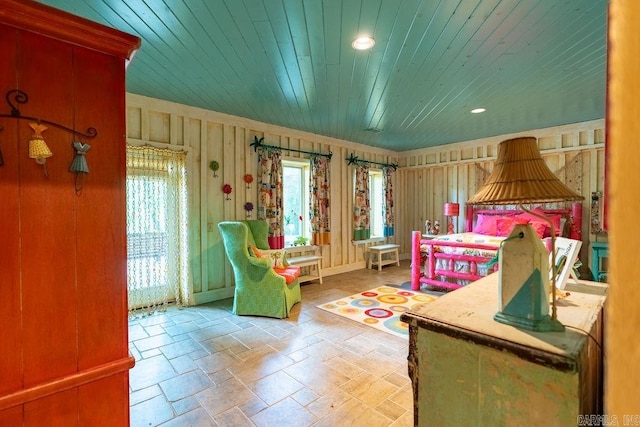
(380, 307)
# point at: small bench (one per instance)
(306, 256)
(378, 251)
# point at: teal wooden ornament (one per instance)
(79, 163)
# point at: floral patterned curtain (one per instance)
(157, 249)
(387, 201)
(361, 205)
(270, 194)
(319, 201)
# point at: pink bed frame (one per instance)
(431, 273)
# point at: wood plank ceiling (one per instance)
(530, 63)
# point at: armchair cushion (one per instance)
(290, 273)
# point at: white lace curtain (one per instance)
(157, 258)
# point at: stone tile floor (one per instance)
(203, 366)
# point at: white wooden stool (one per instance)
(378, 251)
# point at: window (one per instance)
(295, 201)
(376, 193)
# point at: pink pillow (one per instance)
(486, 224)
(506, 223)
(535, 221)
(556, 220)
(540, 228)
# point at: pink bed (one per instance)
(451, 261)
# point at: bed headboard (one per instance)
(573, 217)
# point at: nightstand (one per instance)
(599, 251)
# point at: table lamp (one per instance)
(520, 176)
(451, 210)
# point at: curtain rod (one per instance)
(355, 160)
(257, 143)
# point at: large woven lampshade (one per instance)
(521, 176)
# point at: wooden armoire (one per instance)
(64, 358)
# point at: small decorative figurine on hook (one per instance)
(248, 207)
(79, 165)
(248, 179)
(38, 149)
(214, 166)
(226, 189)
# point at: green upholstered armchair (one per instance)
(260, 291)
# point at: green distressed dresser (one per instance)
(469, 370)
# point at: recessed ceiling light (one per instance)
(363, 43)
(478, 110)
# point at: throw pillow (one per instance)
(486, 224)
(539, 224)
(275, 255)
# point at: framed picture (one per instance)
(567, 251)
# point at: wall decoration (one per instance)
(38, 149)
(248, 207)
(214, 166)
(596, 209)
(248, 179)
(226, 189)
(79, 164)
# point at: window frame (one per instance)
(305, 227)
(376, 203)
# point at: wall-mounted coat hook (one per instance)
(17, 96)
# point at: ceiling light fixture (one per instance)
(478, 110)
(363, 43)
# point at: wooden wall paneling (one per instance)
(250, 167)
(61, 407)
(217, 263)
(134, 123)
(159, 126)
(102, 196)
(196, 217)
(109, 390)
(239, 151)
(462, 196)
(47, 355)
(198, 169)
(226, 174)
(145, 124)
(14, 151)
